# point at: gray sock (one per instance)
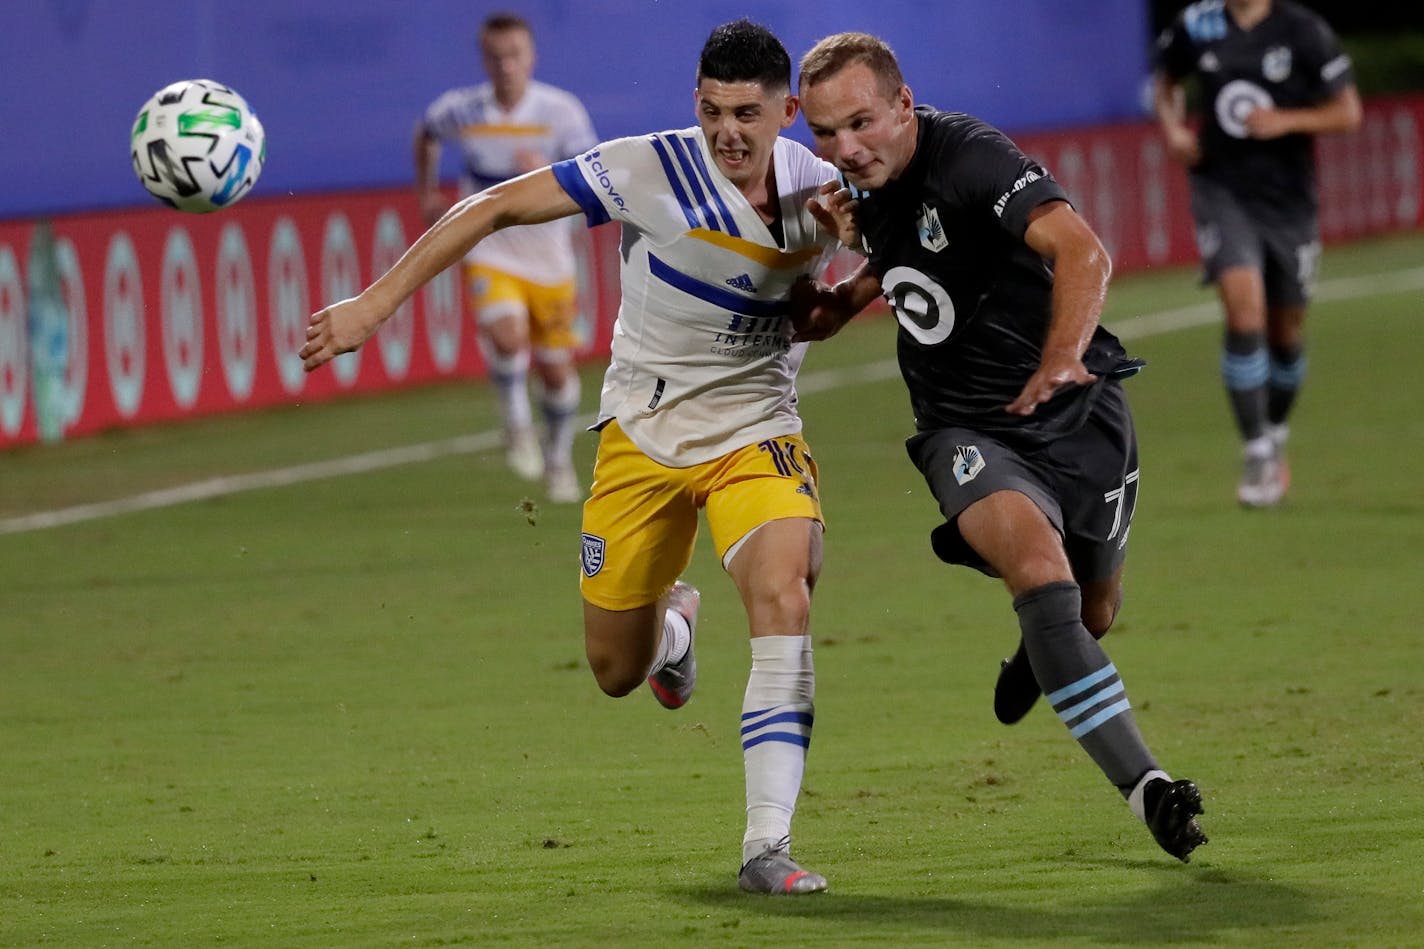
(1081, 683)
(1245, 368)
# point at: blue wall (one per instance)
(338, 83)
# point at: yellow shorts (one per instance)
(551, 307)
(640, 522)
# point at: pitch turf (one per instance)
(354, 712)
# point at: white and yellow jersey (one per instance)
(702, 361)
(548, 123)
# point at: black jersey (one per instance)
(972, 299)
(1291, 59)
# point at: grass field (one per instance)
(354, 711)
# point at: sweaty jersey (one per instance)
(547, 122)
(1291, 59)
(702, 362)
(972, 299)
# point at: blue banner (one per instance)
(339, 84)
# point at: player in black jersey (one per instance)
(1272, 76)
(1023, 431)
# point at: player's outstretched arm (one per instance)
(1081, 269)
(528, 199)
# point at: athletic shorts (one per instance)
(551, 308)
(640, 521)
(1283, 245)
(1085, 482)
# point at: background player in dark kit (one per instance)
(1024, 433)
(1272, 76)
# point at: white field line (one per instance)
(1149, 324)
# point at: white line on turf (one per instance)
(1149, 324)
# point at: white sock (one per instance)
(1260, 447)
(777, 713)
(560, 408)
(509, 375)
(672, 645)
(1134, 799)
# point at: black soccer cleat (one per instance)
(1016, 690)
(1172, 808)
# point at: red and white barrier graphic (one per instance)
(167, 315)
(131, 317)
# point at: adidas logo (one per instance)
(743, 283)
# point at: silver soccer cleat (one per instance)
(672, 685)
(775, 873)
(1262, 479)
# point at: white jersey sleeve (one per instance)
(702, 362)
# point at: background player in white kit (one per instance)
(698, 409)
(520, 282)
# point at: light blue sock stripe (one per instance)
(1288, 375)
(1087, 682)
(790, 738)
(1112, 711)
(1068, 714)
(1245, 371)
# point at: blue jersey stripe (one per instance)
(716, 196)
(480, 180)
(673, 180)
(572, 181)
(717, 296)
(679, 149)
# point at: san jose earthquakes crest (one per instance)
(591, 554)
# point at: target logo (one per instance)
(1235, 101)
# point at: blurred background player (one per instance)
(698, 409)
(521, 281)
(1271, 76)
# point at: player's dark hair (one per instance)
(743, 51)
(836, 52)
(504, 20)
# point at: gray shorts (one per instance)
(1085, 482)
(1283, 245)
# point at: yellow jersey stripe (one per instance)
(766, 256)
(491, 128)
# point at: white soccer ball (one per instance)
(197, 146)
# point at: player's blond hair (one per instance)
(836, 52)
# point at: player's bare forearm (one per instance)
(1081, 270)
(427, 176)
(528, 199)
(1342, 112)
(1169, 103)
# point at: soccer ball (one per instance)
(197, 146)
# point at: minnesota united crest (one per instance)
(968, 462)
(591, 554)
(931, 230)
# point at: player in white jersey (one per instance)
(521, 282)
(698, 408)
